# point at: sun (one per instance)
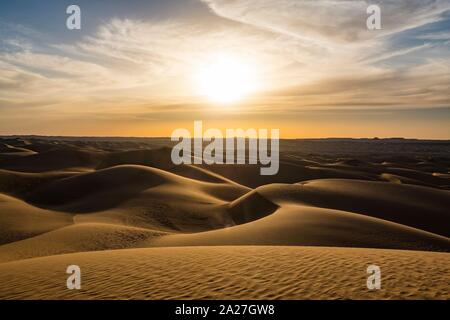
(226, 79)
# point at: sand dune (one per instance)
(230, 273)
(21, 184)
(249, 175)
(310, 226)
(142, 197)
(6, 149)
(250, 207)
(418, 177)
(19, 220)
(107, 188)
(415, 206)
(76, 238)
(159, 158)
(53, 159)
(222, 231)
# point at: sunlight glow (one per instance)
(226, 80)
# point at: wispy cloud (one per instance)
(444, 35)
(308, 54)
(339, 20)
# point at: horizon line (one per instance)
(168, 137)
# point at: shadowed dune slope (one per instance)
(142, 197)
(53, 159)
(6, 149)
(289, 172)
(296, 225)
(19, 220)
(415, 206)
(161, 159)
(157, 158)
(76, 238)
(223, 231)
(21, 184)
(250, 207)
(108, 188)
(230, 273)
(293, 170)
(347, 213)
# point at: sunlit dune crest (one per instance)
(119, 206)
(219, 149)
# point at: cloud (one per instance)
(337, 20)
(308, 55)
(444, 35)
(334, 32)
(146, 58)
(347, 64)
(398, 53)
(421, 86)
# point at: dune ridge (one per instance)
(114, 202)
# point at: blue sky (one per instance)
(132, 68)
(48, 17)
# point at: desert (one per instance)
(141, 227)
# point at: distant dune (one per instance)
(147, 229)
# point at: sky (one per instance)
(310, 68)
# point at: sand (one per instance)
(142, 228)
(19, 220)
(230, 273)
